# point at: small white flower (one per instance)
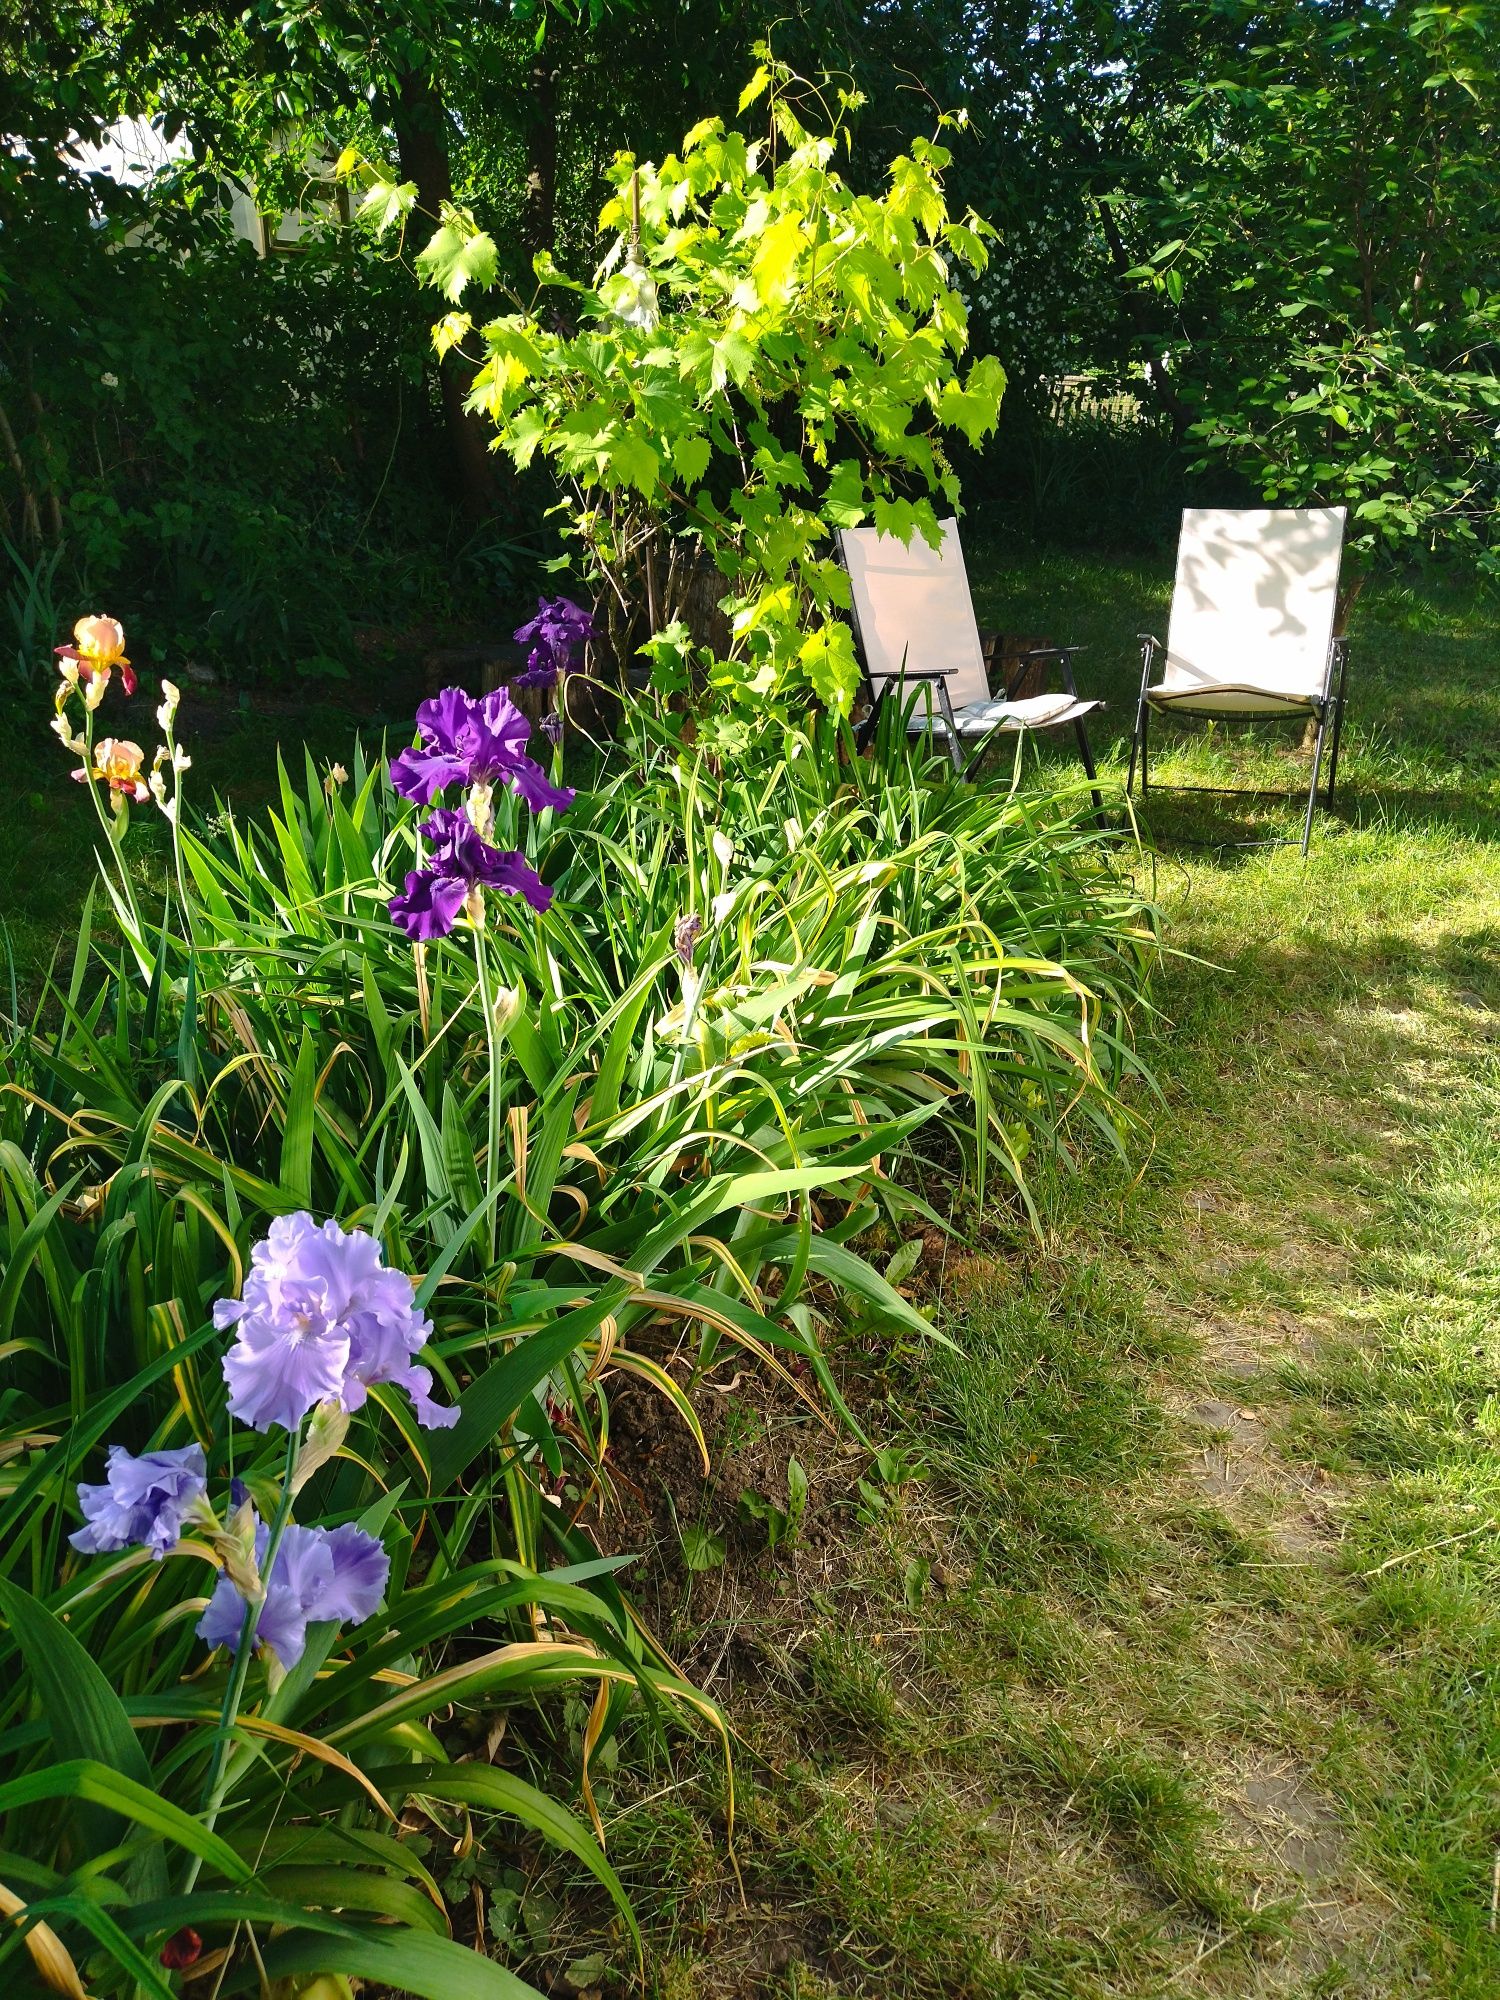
(178, 761)
(109, 381)
(171, 695)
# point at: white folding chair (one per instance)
(914, 623)
(1251, 632)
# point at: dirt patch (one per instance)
(1286, 1830)
(1231, 1458)
(1338, 1921)
(731, 1561)
(1230, 1411)
(1290, 1822)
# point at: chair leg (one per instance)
(1088, 764)
(1144, 726)
(955, 741)
(1333, 748)
(1312, 790)
(865, 734)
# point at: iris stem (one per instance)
(492, 1149)
(111, 836)
(217, 1782)
(175, 821)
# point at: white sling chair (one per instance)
(914, 622)
(1251, 631)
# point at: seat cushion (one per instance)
(979, 718)
(1228, 698)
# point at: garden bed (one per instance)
(617, 1144)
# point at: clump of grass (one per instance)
(849, 1694)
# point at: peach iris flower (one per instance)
(118, 765)
(98, 647)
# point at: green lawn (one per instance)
(1163, 1658)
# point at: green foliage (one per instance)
(620, 1147)
(31, 603)
(1333, 250)
(195, 431)
(779, 1524)
(766, 356)
(246, 450)
(208, 439)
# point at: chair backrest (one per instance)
(912, 605)
(1255, 596)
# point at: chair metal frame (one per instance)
(1327, 707)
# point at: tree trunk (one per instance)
(31, 520)
(422, 152)
(539, 210)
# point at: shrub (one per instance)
(766, 355)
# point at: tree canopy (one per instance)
(1269, 221)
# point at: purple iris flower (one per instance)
(464, 741)
(557, 636)
(320, 1575)
(144, 1501)
(322, 1320)
(459, 861)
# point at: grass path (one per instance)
(1161, 1655)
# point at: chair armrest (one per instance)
(913, 674)
(1038, 655)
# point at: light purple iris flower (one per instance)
(320, 1575)
(459, 861)
(143, 1502)
(557, 636)
(468, 741)
(322, 1320)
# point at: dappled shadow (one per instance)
(1386, 971)
(1254, 598)
(1231, 832)
(1235, 827)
